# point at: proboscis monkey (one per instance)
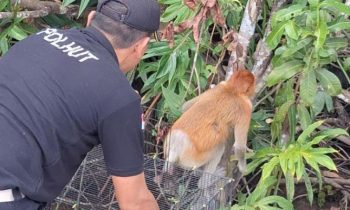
(199, 136)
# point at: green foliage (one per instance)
(258, 199)
(15, 29)
(296, 157)
(305, 42)
(308, 45)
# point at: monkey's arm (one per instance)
(241, 134)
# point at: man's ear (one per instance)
(141, 46)
(90, 17)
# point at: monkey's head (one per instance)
(242, 82)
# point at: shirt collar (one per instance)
(100, 38)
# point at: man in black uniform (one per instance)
(64, 91)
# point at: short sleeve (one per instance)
(121, 137)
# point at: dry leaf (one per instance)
(217, 15)
(209, 3)
(190, 3)
(330, 174)
(183, 26)
(168, 34)
(196, 22)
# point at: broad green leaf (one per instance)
(283, 163)
(260, 190)
(304, 116)
(292, 30)
(285, 93)
(325, 161)
(3, 4)
(318, 104)
(282, 111)
(274, 37)
(282, 202)
(268, 167)
(299, 168)
(171, 65)
(287, 13)
(322, 151)
(313, 3)
(339, 26)
(183, 61)
(170, 12)
(309, 190)
(172, 100)
(290, 186)
(328, 53)
(3, 46)
(300, 45)
(252, 166)
(183, 14)
(5, 32)
(336, 5)
(334, 132)
(82, 7)
(67, 2)
(316, 140)
(307, 132)
(329, 82)
(336, 43)
(329, 102)
(157, 49)
(162, 68)
(321, 34)
(301, 2)
(17, 33)
(312, 162)
(284, 72)
(308, 87)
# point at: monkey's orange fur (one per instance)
(198, 137)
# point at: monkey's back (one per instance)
(209, 122)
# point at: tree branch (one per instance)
(35, 9)
(238, 56)
(263, 54)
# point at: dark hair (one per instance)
(120, 35)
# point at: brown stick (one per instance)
(238, 56)
(71, 10)
(150, 108)
(263, 54)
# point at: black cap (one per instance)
(143, 15)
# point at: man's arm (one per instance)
(132, 193)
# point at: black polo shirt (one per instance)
(62, 93)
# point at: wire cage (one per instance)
(92, 188)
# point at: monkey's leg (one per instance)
(211, 168)
(240, 145)
(176, 143)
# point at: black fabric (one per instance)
(61, 94)
(143, 15)
(22, 204)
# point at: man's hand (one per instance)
(132, 193)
